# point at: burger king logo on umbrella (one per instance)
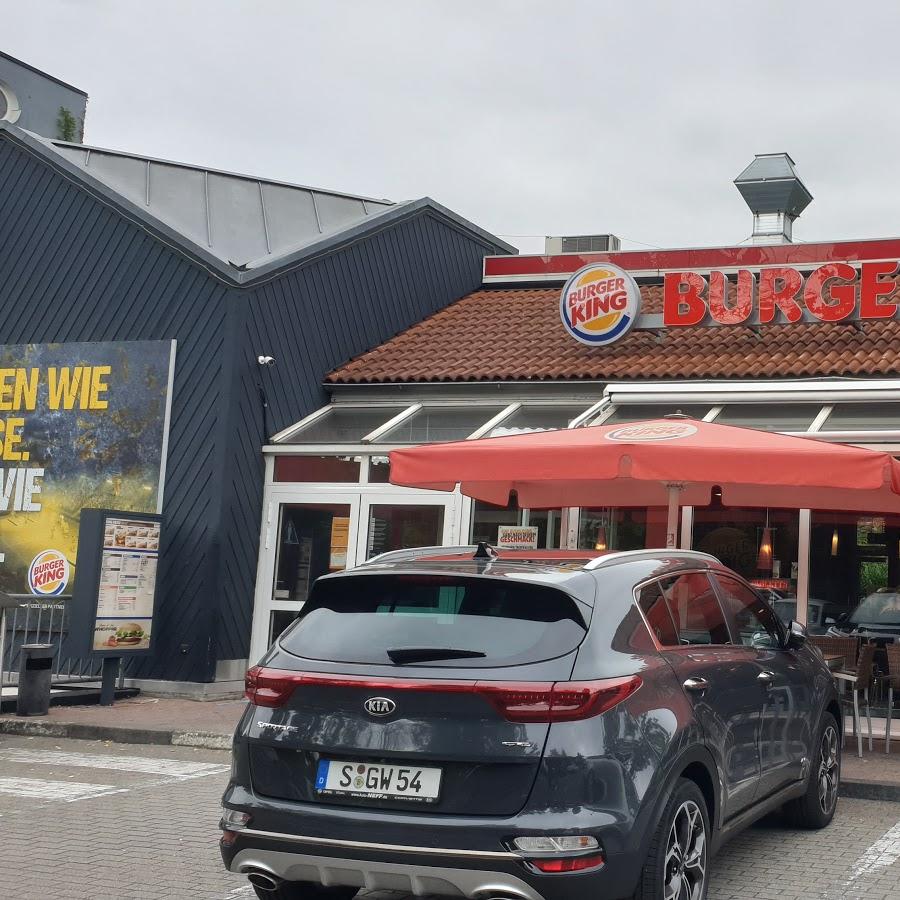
(652, 431)
(599, 304)
(48, 573)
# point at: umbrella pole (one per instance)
(672, 520)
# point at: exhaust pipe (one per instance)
(265, 881)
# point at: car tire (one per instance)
(680, 847)
(815, 809)
(306, 890)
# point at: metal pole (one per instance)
(108, 680)
(2, 648)
(672, 520)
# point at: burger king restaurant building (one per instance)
(801, 339)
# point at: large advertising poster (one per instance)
(81, 425)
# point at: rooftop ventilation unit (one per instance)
(581, 243)
(775, 194)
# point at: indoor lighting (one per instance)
(834, 542)
(600, 543)
(764, 559)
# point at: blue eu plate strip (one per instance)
(322, 774)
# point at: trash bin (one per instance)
(34, 680)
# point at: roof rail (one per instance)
(416, 552)
(623, 555)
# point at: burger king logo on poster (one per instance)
(599, 304)
(652, 431)
(48, 573)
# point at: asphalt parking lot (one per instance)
(82, 820)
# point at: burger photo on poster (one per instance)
(129, 633)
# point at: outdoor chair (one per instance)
(893, 682)
(847, 647)
(860, 682)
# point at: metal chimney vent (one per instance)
(775, 194)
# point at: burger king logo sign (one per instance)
(599, 304)
(48, 573)
(652, 431)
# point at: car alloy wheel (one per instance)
(829, 769)
(685, 868)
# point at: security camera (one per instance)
(266, 360)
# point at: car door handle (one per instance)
(696, 684)
(766, 677)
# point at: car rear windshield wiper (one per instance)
(403, 655)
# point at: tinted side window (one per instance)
(653, 605)
(750, 619)
(695, 609)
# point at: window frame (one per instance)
(662, 648)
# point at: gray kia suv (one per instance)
(536, 726)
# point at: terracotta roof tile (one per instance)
(516, 335)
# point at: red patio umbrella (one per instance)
(663, 461)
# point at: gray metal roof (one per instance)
(242, 220)
(189, 235)
(770, 184)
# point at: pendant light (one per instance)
(764, 558)
(600, 543)
(834, 542)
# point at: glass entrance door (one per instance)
(305, 536)
(309, 533)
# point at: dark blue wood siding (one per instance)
(313, 320)
(73, 269)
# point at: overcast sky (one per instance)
(528, 118)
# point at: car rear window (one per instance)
(363, 619)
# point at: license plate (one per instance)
(378, 781)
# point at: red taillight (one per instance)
(571, 864)
(270, 687)
(562, 701)
(541, 701)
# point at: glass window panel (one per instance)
(637, 412)
(487, 519)
(345, 425)
(761, 546)
(623, 528)
(654, 607)
(399, 527)
(343, 469)
(441, 423)
(379, 470)
(537, 418)
(854, 565)
(312, 541)
(695, 609)
(864, 417)
(769, 416)
(750, 619)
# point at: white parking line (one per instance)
(883, 853)
(37, 789)
(173, 768)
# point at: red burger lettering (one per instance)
(871, 287)
(718, 293)
(778, 289)
(830, 292)
(683, 302)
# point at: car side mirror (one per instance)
(796, 636)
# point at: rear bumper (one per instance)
(420, 871)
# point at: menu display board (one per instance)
(115, 591)
(127, 584)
